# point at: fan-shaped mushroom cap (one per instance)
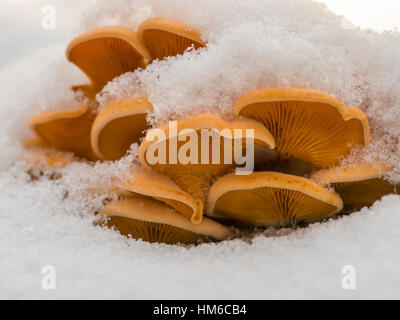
(166, 38)
(306, 124)
(152, 184)
(66, 130)
(359, 185)
(271, 198)
(194, 177)
(119, 125)
(105, 53)
(154, 221)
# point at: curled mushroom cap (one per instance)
(154, 221)
(152, 184)
(104, 53)
(359, 185)
(66, 130)
(166, 38)
(271, 198)
(306, 124)
(119, 125)
(196, 151)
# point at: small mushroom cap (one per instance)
(152, 184)
(154, 221)
(66, 130)
(359, 185)
(119, 125)
(306, 124)
(271, 198)
(166, 38)
(194, 177)
(105, 53)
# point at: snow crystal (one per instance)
(251, 44)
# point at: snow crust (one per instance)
(251, 44)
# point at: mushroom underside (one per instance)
(153, 221)
(103, 59)
(67, 132)
(118, 135)
(301, 130)
(271, 206)
(153, 232)
(163, 44)
(359, 194)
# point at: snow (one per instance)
(97, 263)
(48, 221)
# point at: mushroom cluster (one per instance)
(300, 136)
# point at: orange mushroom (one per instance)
(152, 184)
(153, 221)
(306, 124)
(271, 198)
(359, 185)
(66, 130)
(119, 125)
(105, 53)
(166, 38)
(199, 149)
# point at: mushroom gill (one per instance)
(119, 125)
(153, 221)
(197, 150)
(271, 198)
(67, 130)
(105, 53)
(165, 38)
(359, 185)
(306, 124)
(152, 184)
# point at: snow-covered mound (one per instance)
(251, 44)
